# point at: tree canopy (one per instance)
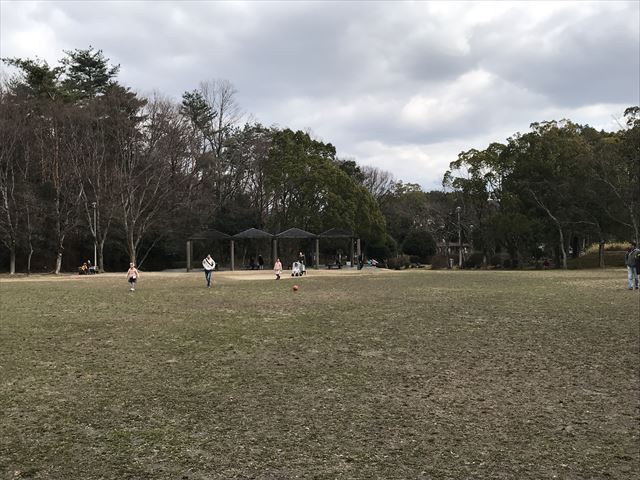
(85, 160)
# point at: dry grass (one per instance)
(608, 247)
(417, 374)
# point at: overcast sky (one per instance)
(401, 86)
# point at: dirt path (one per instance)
(238, 275)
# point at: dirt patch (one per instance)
(238, 275)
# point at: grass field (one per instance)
(388, 375)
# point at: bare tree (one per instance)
(32, 213)
(11, 130)
(220, 96)
(59, 172)
(95, 158)
(144, 171)
(257, 150)
(379, 182)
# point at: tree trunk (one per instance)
(132, 249)
(563, 251)
(12, 260)
(29, 258)
(58, 262)
(101, 255)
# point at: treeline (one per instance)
(545, 194)
(84, 156)
(552, 190)
(85, 160)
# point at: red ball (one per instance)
(295, 288)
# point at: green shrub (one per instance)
(419, 243)
(399, 263)
(474, 260)
(497, 260)
(383, 249)
(439, 262)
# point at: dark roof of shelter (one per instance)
(296, 233)
(337, 233)
(210, 234)
(253, 233)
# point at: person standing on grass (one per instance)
(132, 276)
(631, 260)
(209, 266)
(277, 268)
(260, 262)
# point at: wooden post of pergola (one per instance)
(233, 253)
(317, 253)
(343, 233)
(208, 236)
(351, 252)
(189, 254)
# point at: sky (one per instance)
(404, 87)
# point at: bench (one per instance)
(334, 265)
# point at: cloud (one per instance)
(402, 86)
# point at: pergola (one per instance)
(343, 233)
(251, 234)
(254, 233)
(205, 235)
(299, 234)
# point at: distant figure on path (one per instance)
(277, 268)
(209, 266)
(132, 276)
(260, 262)
(632, 260)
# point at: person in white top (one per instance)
(209, 266)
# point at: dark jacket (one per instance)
(632, 257)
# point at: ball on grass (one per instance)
(295, 288)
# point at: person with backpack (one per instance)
(209, 266)
(632, 261)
